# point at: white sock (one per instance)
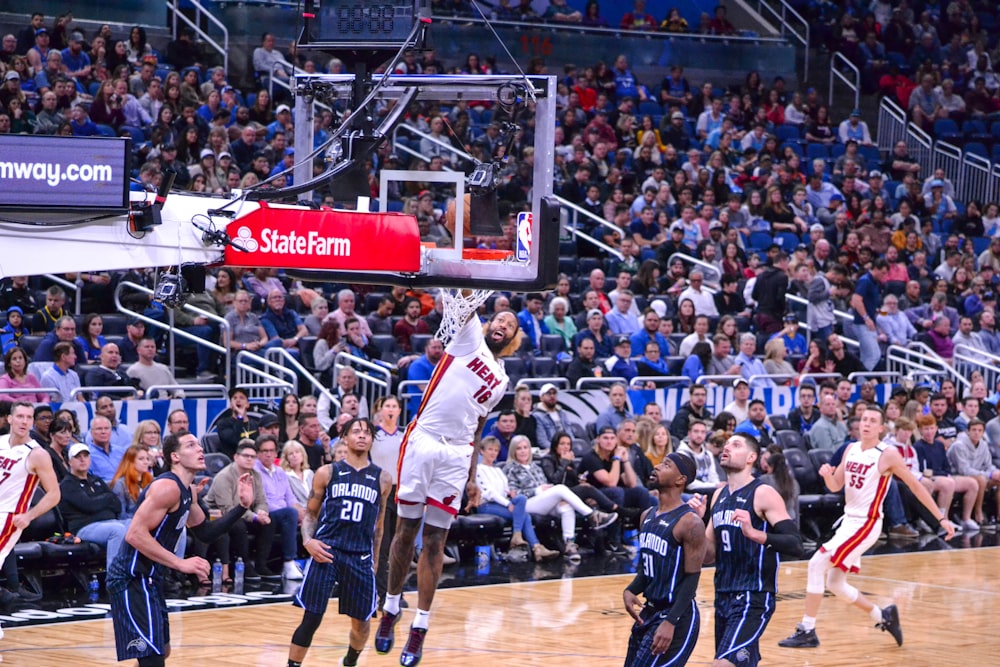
(391, 605)
(809, 622)
(876, 614)
(421, 619)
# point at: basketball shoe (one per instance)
(414, 649)
(890, 623)
(385, 636)
(802, 638)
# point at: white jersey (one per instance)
(466, 385)
(864, 486)
(385, 451)
(17, 485)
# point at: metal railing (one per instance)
(790, 24)
(844, 315)
(706, 268)
(172, 331)
(76, 287)
(199, 13)
(776, 378)
(597, 383)
(919, 144)
(919, 362)
(51, 391)
(189, 390)
(83, 393)
(288, 360)
(968, 359)
(374, 380)
(530, 382)
(978, 178)
(639, 381)
(263, 379)
(838, 63)
(572, 225)
(891, 125)
(949, 158)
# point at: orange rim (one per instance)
(487, 254)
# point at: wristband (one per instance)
(616, 458)
(254, 517)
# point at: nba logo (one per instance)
(523, 253)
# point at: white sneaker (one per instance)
(291, 571)
(970, 526)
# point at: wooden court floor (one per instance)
(949, 602)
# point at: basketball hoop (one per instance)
(458, 306)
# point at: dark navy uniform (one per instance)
(661, 558)
(347, 522)
(746, 576)
(134, 586)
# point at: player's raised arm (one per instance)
(161, 496)
(784, 536)
(209, 531)
(386, 483)
(834, 477)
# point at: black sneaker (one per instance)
(265, 572)
(802, 638)
(385, 636)
(27, 594)
(890, 624)
(250, 573)
(414, 650)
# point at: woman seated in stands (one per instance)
(295, 463)
(91, 339)
(147, 436)
(654, 439)
(684, 322)
(527, 478)
(500, 500)
(559, 322)
(288, 419)
(674, 22)
(777, 474)
(319, 308)
(62, 438)
(697, 364)
(527, 425)
(774, 360)
(560, 466)
(225, 288)
(816, 359)
(132, 476)
(16, 376)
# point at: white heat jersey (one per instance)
(16, 484)
(466, 385)
(864, 486)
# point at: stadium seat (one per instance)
(976, 130)
(872, 155)
(946, 129)
(995, 154)
(418, 342)
(780, 422)
(790, 439)
(386, 344)
(760, 240)
(977, 148)
(795, 146)
(814, 151)
(543, 367)
(650, 108)
(216, 461)
(516, 368)
(371, 301)
(210, 443)
(787, 241)
(787, 133)
(551, 344)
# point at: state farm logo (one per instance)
(292, 243)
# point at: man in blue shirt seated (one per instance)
(283, 325)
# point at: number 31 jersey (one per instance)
(350, 508)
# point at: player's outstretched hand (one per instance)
(699, 504)
(826, 470)
(475, 495)
(320, 552)
(199, 487)
(196, 566)
(245, 489)
(632, 604)
(662, 637)
(949, 529)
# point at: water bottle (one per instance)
(94, 588)
(483, 559)
(217, 576)
(238, 576)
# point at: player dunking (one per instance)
(864, 475)
(24, 463)
(671, 549)
(348, 504)
(437, 464)
(135, 578)
(749, 527)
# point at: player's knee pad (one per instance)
(819, 565)
(437, 517)
(303, 634)
(836, 581)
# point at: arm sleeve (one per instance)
(683, 596)
(209, 531)
(785, 539)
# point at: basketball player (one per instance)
(385, 454)
(135, 580)
(24, 463)
(749, 527)
(864, 475)
(436, 464)
(344, 546)
(671, 549)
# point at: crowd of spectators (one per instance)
(703, 192)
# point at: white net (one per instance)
(458, 306)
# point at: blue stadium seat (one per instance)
(947, 130)
(814, 151)
(650, 108)
(977, 148)
(837, 150)
(787, 133)
(996, 153)
(794, 145)
(981, 244)
(975, 130)
(760, 240)
(995, 130)
(871, 154)
(787, 241)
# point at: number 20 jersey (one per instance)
(350, 508)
